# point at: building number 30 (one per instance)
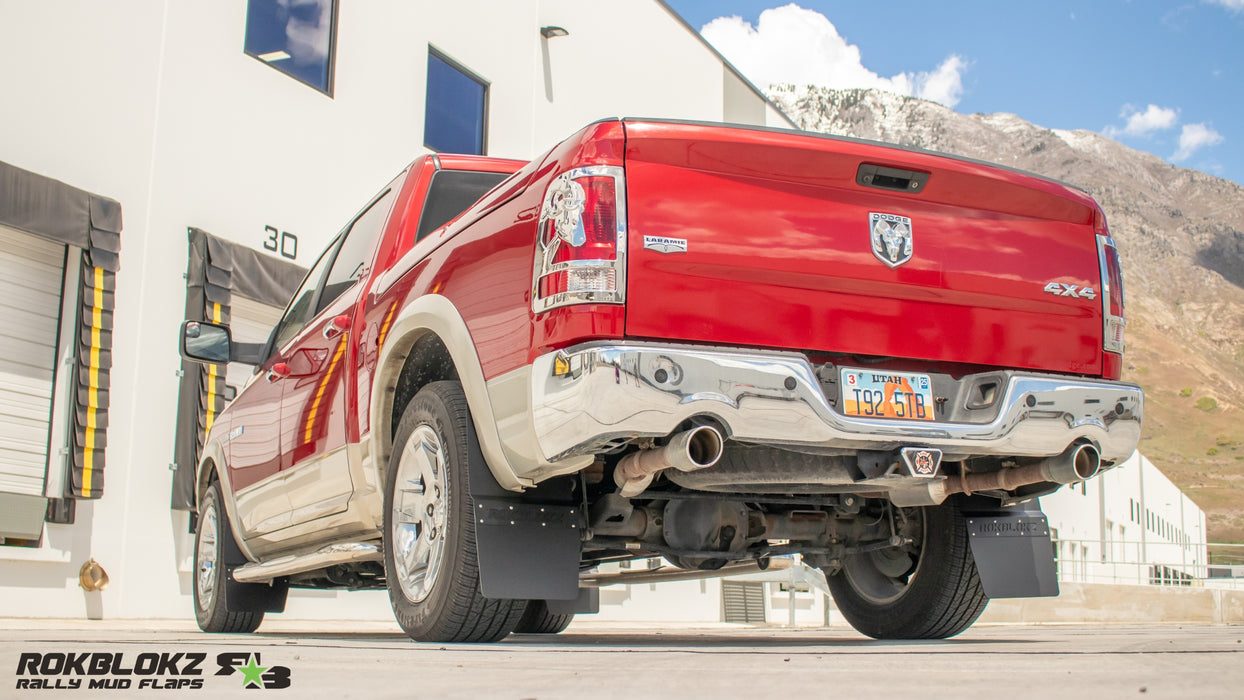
(282, 242)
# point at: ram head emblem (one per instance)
(891, 238)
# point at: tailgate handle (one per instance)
(893, 179)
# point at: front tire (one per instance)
(219, 604)
(430, 562)
(929, 589)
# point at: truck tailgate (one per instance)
(779, 252)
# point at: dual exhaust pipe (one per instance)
(1080, 462)
(698, 448)
(702, 446)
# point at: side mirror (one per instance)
(205, 342)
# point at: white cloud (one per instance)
(1233, 5)
(945, 84)
(794, 45)
(1143, 124)
(1195, 137)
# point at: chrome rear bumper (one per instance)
(590, 398)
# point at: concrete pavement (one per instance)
(612, 660)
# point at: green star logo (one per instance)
(252, 672)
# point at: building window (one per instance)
(296, 37)
(1107, 547)
(456, 115)
(1057, 546)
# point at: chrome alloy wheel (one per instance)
(206, 559)
(419, 505)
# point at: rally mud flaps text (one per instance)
(147, 670)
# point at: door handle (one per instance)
(336, 326)
(279, 371)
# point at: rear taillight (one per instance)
(1112, 288)
(581, 240)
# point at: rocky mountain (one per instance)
(1181, 240)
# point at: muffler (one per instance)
(698, 448)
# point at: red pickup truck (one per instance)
(707, 343)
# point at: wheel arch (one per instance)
(429, 361)
(212, 465)
(213, 455)
(430, 329)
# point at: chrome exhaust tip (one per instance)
(698, 448)
(1086, 461)
(1079, 463)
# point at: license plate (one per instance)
(884, 394)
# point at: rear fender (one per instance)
(528, 546)
(433, 313)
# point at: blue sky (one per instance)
(1096, 65)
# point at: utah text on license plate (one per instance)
(883, 394)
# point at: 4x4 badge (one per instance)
(891, 238)
(1062, 289)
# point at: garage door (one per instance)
(249, 322)
(31, 272)
(246, 289)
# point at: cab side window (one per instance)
(302, 307)
(357, 249)
(450, 193)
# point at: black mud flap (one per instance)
(257, 597)
(250, 597)
(527, 550)
(524, 549)
(588, 602)
(1012, 548)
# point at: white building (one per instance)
(1130, 525)
(158, 117)
(177, 113)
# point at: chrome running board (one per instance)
(333, 554)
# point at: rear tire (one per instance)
(927, 590)
(221, 605)
(430, 562)
(537, 619)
